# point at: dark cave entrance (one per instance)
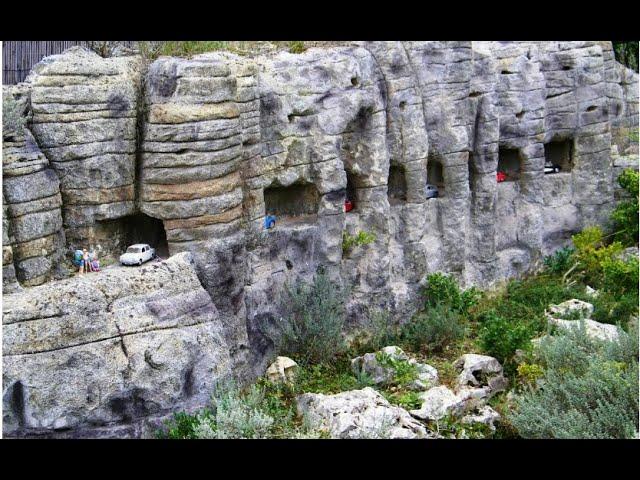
(114, 236)
(397, 184)
(435, 173)
(142, 228)
(352, 192)
(559, 153)
(297, 200)
(510, 163)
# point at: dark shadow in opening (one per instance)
(397, 184)
(559, 153)
(509, 162)
(291, 201)
(435, 174)
(116, 235)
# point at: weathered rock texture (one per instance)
(189, 155)
(108, 354)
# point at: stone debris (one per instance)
(282, 370)
(359, 414)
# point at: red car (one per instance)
(348, 205)
(501, 177)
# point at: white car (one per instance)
(137, 254)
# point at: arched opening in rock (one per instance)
(18, 403)
(397, 185)
(510, 163)
(295, 202)
(112, 237)
(559, 153)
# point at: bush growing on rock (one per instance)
(589, 389)
(625, 215)
(443, 289)
(501, 337)
(312, 328)
(434, 329)
(560, 261)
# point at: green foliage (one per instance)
(560, 261)
(589, 389)
(351, 241)
(501, 337)
(13, 120)
(591, 252)
(382, 332)
(614, 309)
(433, 329)
(451, 427)
(625, 215)
(233, 414)
(312, 328)
(297, 47)
(409, 400)
(529, 373)
(180, 426)
(405, 372)
(443, 289)
(626, 52)
(328, 379)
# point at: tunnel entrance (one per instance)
(397, 185)
(142, 228)
(298, 200)
(112, 237)
(559, 153)
(510, 163)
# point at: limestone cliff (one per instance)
(190, 154)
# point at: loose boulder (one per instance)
(283, 370)
(358, 414)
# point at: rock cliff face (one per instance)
(109, 354)
(190, 154)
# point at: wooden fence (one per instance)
(18, 57)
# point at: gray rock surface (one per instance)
(358, 414)
(105, 351)
(190, 154)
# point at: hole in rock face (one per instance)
(519, 115)
(592, 108)
(294, 200)
(402, 105)
(351, 189)
(114, 236)
(288, 264)
(510, 163)
(17, 403)
(559, 153)
(354, 81)
(566, 67)
(397, 184)
(435, 173)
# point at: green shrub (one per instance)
(405, 372)
(560, 261)
(614, 309)
(433, 329)
(381, 332)
(625, 215)
(351, 241)
(501, 337)
(297, 47)
(312, 327)
(235, 415)
(591, 252)
(589, 389)
(443, 289)
(409, 400)
(180, 426)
